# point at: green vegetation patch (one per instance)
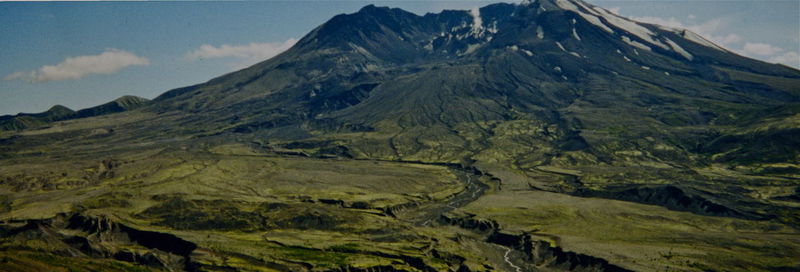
(323, 258)
(5, 204)
(24, 261)
(109, 200)
(179, 213)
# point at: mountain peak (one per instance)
(555, 4)
(59, 109)
(372, 8)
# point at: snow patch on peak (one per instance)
(679, 49)
(670, 29)
(635, 43)
(631, 27)
(591, 17)
(471, 48)
(561, 46)
(566, 4)
(527, 52)
(516, 48)
(493, 29)
(596, 21)
(694, 37)
(585, 8)
(575, 34)
(565, 50)
(361, 50)
(585, 12)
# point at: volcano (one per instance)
(545, 135)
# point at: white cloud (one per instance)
(761, 49)
(771, 53)
(109, 62)
(247, 54)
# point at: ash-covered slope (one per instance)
(565, 63)
(564, 43)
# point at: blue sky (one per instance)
(82, 54)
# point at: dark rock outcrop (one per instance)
(671, 197)
(100, 237)
(542, 254)
(471, 223)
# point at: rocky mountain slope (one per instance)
(532, 87)
(512, 126)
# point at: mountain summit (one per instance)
(563, 131)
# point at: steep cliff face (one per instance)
(537, 254)
(78, 235)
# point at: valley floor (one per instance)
(233, 207)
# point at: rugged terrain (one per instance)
(546, 135)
